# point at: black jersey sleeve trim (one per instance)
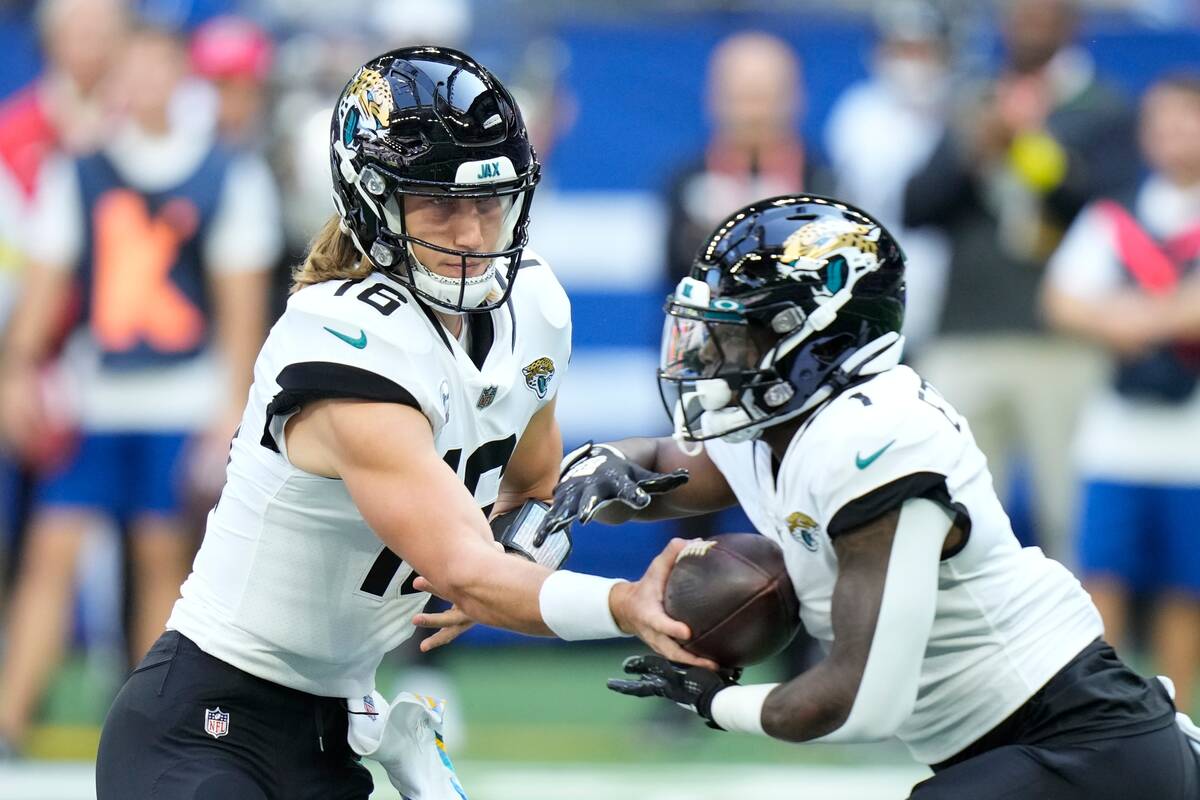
(307, 381)
(879, 501)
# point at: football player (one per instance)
(781, 370)
(406, 394)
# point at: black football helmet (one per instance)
(432, 122)
(789, 301)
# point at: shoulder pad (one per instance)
(885, 435)
(538, 286)
(330, 345)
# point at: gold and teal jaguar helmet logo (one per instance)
(538, 376)
(803, 529)
(374, 95)
(810, 247)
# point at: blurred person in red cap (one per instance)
(164, 234)
(1126, 278)
(235, 56)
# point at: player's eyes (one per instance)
(487, 205)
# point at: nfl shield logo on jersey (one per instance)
(538, 375)
(445, 390)
(216, 722)
(486, 397)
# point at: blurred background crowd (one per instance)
(163, 163)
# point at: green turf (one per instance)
(537, 704)
(550, 704)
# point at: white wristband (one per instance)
(739, 708)
(575, 606)
(612, 449)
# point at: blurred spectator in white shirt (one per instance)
(880, 131)
(1127, 277)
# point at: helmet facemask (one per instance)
(481, 279)
(716, 373)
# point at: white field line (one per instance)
(499, 781)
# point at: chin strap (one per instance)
(689, 446)
(475, 291)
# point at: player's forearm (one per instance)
(532, 472)
(506, 591)
(1185, 310)
(641, 450)
(1073, 315)
(500, 590)
(811, 705)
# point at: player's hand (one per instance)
(637, 608)
(451, 623)
(596, 476)
(691, 687)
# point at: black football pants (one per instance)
(276, 743)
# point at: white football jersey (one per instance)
(290, 583)
(1007, 617)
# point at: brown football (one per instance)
(734, 593)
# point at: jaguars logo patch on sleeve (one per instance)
(803, 529)
(538, 376)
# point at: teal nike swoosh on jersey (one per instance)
(358, 343)
(863, 463)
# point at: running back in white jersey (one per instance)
(290, 583)
(1007, 617)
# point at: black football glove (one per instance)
(691, 687)
(596, 475)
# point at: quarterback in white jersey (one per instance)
(780, 367)
(405, 396)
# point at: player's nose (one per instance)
(468, 227)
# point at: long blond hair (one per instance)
(331, 255)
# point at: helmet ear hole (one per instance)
(788, 320)
(778, 394)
